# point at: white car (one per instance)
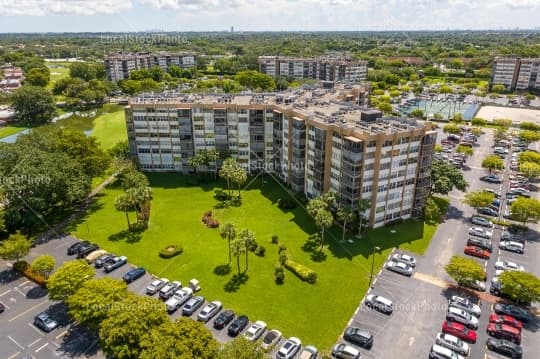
(405, 258)
(453, 343)
(179, 297)
(289, 348)
(156, 285)
(466, 305)
(506, 265)
(255, 331)
(209, 311)
(399, 267)
(459, 315)
(512, 246)
(480, 232)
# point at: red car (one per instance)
(460, 331)
(505, 319)
(503, 331)
(476, 252)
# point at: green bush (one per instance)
(283, 257)
(25, 269)
(221, 195)
(303, 272)
(279, 274)
(275, 239)
(260, 251)
(282, 248)
(171, 251)
(284, 203)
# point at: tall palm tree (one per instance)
(247, 237)
(125, 204)
(362, 206)
(346, 215)
(140, 197)
(318, 209)
(228, 231)
(238, 248)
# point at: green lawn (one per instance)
(10, 130)
(59, 70)
(315, 313)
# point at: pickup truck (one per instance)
(115, 262)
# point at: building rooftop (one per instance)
(334, 106)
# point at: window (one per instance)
(387, 143)
(372, 143)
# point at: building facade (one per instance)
(314, 140)
(119, 66)
(516, 73)
(325, 68)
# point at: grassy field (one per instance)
(10, 130)
(176, 214)
(59, 70)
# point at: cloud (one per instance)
(58, 7)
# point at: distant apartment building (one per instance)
(516, 73)
(12, 77)
(325, 68)
(120, 65)
(313, 139)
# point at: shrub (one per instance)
(284, 203)
(275, 239)
(25, 269)
(478, 121)
(212, 223)
(283, 257)
(304, 273)
(282, 248)
(221, 195)
(252, 246)
(279, 274)
(171, 251)
(260, 251)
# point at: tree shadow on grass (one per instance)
(313, 246)
(233, 285)
(127, 235)
(222, 269)
(318, 256)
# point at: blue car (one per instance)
(134, 274)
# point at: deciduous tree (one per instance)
(479, 199)
(33, 105)
(68, 279)
(451, 128)
(529, 136)
(525, 209)
(444, 177)
(520, 286)
(493, 162)
(44, 265)
(464, 270)
(241, 348)
(15, 247)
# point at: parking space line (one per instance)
(28, 310)
(6, 292)
(14, 355)
(34, 328)
(42, 347)
(5, 305)
(61, 334)
(24, 283)
(34, 342)
(19, 291)
(16, 343)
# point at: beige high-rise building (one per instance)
(312, 139)
(516, 73)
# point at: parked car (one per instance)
(514, 311)
(502, 331)
(178, 298)
(91, 258)
(238, 325)
(512, 246)
(399, 267)
(345, 351)
(114, 263)
(309, 352)
(488, 211)
(289, 348)
(480, 232)
(440, 352)
(475, 284)
(507, 265)
(505, 319)
(476, 252)
(481, 221)
(168, 289)
(459, 315)
(358, 336)
(72, 249)
(2, 308)
(514, 237)
(523, 192)
(209, 311)
(480, 242)
(491, 179)
(45, 322)
(224, 318)
(101, 260)
(379, 303)
(405, 258)
(492, 191)
(255, 331)
(505, 347)
(156, 285)
(454, 343)
(466, 304)
(459, 330)
(86, 249)
(270, 339)
(192, 305)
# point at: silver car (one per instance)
(179, 297)
(512, 246)
(458, 315)
(453, 343)
(481, 221)
(480, 232)
(156, 285)
(405, 258)
(209, 311)
(399, 267)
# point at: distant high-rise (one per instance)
(516, 73)
(232, 29)
(326, 68)
(120, 65)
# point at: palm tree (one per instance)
(140, 197)
(318, 209)
(194, 162)
(345, 214)
(362, 206)
(125, 204)
(247, 237)
(211, 156)
(239, 177)
(227, 172)
(228, 231)
(238, 248)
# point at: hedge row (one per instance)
(303, 272)
(25, 269)
(170, 251)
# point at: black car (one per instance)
(133, 274)
(86, 249)
(74, 248)
(192, 305)
(505, 347)
(488, 211)
(480, 242)
(103, 259)
(238, 325)
(507, 236)
(492, 179)
(223, 319)
(512, 310)
(359, 337)
(2, 308)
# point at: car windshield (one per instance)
(270, 337)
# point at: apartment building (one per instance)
(312, 139)
(120, 65)
(12, 78)
(516, 73)
(325, 68)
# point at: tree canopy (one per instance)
(68, 278)
(493, 162)
(479, 199)
(33, 105)
(241, 348)
(464, 270)
(520, 286)
(44, 265)
(444, 177)
(529, 136)
(15, 247)
(525, 209)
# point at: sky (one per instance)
(265, 15)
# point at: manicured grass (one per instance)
(59, 70)
(317, 313)
(10, 130)
(110, 128)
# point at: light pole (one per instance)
(375, 248)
